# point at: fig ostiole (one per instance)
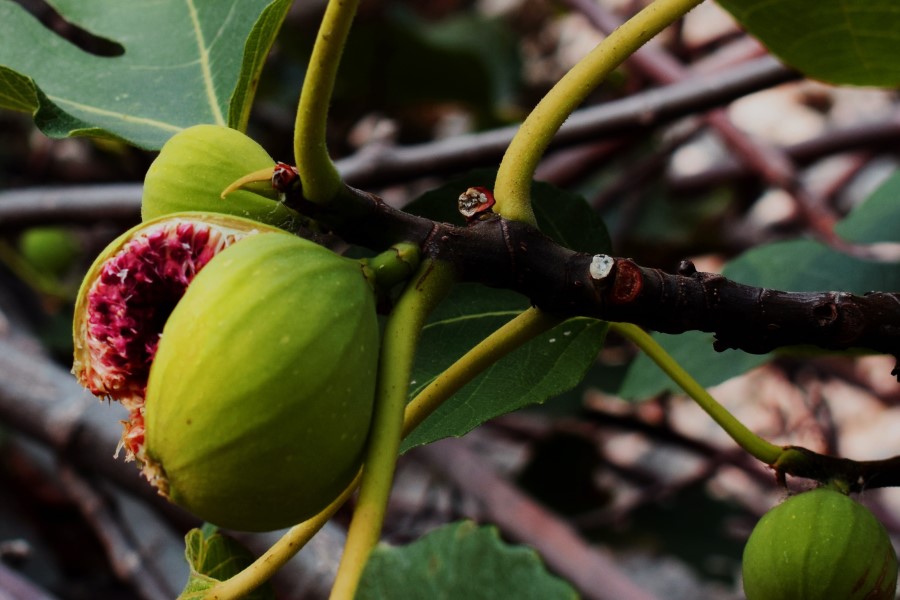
(197, 164)
(819, 545)
(246, 357)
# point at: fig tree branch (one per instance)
(507, 254)
(637, 112)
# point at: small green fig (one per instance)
(197, 164)
(819, 545)
(251, 405)
(50, 250)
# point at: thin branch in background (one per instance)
(15, 587)
(42, 400)
(591, 424)
(119, 202)
(378, 165)
(771, 162)
(569, 165)
(133, 561)
(644, 168)
(592, 572)
(381, 165)
(875, 136)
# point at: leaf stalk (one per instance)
(512, 188)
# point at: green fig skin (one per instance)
(197, 164)
(817, 545)
(50, 250)
(259, 399)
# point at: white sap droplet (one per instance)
(567, 333)
(552, 340)
(601, 265)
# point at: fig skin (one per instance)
(197, 164)
(260, 397)
(816, 545)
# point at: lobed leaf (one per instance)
(182, 62)
(460, 560)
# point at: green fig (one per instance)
(819, 545)
(250, 400)
(50, 250)
(197, 164)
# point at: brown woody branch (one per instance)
(513, 255)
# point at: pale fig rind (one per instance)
(197, 164)
(260, 396)
(816, 545)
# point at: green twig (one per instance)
(319, 177)
(262, 569)
(516, 332)
(761, 449)
(512, 187)
(401, 336)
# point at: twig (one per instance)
(628, 115)
(883, 133)
(43, 401)
(514, 255)
(769, 161)
(15, 587)
(375, 166)
(594, 574)
(70, 204)
(132, 561)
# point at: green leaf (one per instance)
(215, 557)
(184, 63)
(796, 266)
(543, 368)
(838, 41)
(460, 560)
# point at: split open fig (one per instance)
(246, 357)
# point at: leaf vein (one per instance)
(204, 65)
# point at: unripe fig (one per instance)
(197, 164)
(50, 250)
(250, 407)
(817, 545)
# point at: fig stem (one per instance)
(394, 265)
(262, 569)
(758, 447)
(513, 334)
(319, 177)
(512, 187)
(401, 335)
